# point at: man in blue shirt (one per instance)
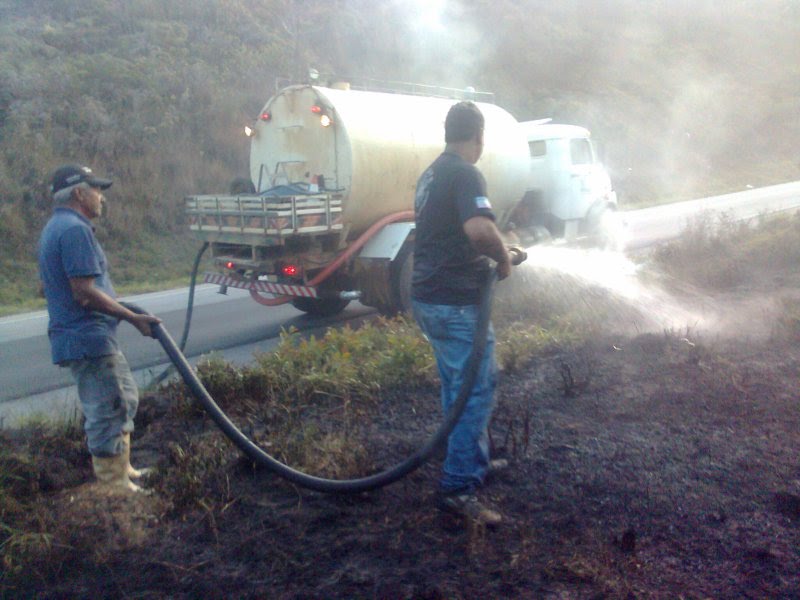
(455, 233)
(83, 322)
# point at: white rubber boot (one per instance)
(112, 473)
(132, 473)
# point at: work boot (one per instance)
(112, 473)
(126, 450)
(468, 507)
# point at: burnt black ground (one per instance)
(658, 465)
(654, 466)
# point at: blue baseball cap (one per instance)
(69, 175)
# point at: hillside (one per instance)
(684, 103)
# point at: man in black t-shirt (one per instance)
(455, 233)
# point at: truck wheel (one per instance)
(610, 232)
(320, 307)
(402, 270)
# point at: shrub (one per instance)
(346, 363)
(706, 253)
(520, 342)
(222, 380)
(721, 253)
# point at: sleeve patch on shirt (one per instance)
(483, 202)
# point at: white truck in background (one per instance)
(326, 215)
(569, 192)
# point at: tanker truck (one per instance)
(326, 215)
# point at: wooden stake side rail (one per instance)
(264, 215)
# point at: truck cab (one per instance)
(569, 191)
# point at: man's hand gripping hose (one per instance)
(340, 486)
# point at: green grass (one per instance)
(518, 343)
(358, 365)
(155, 263)
(344, 365)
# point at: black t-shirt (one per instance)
(447, 269)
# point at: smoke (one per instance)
(687, 99)
(707, 88)
(447, 47)
(599, 290)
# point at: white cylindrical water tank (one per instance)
(373, 147)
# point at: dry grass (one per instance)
(719, 253)
(33, 462)
(787, 327)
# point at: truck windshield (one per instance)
(580, 151)
(538, 148)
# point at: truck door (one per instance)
(581, 156)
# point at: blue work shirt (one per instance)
(68, 248)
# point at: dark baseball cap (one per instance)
(70, 175)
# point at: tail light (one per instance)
(290, 270)
(324, 118)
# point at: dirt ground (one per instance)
(652, 465)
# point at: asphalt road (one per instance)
(656, 224)
(219, 323)
(228, 323)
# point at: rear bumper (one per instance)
(278, 289)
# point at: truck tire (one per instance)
(402, 270)
(320, 307)
(609, 232)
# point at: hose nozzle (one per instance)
(518, 255)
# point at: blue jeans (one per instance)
(109, 400)
(450, 330)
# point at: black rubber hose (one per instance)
(190, 307)
(339, 486)
(187, 321)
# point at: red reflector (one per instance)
(290, 270)
(265, 116)
(316, 109)
(229, 265)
